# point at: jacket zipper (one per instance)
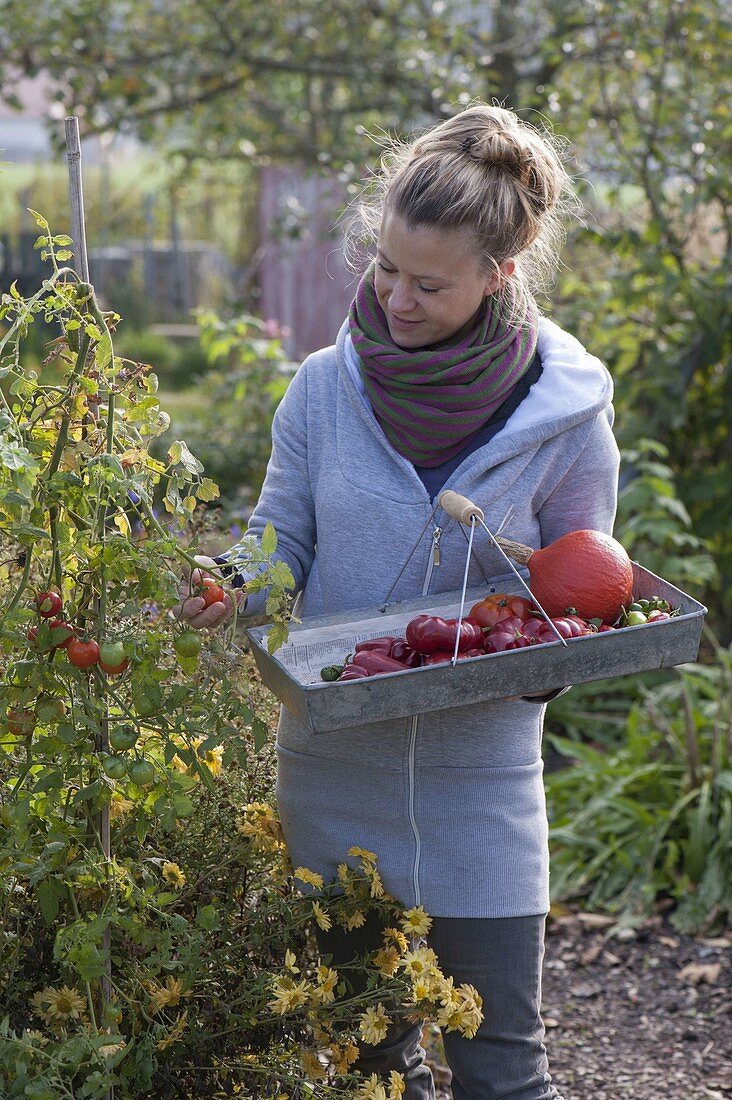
(434, 561)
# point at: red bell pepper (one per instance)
(375, 663)
(401, 651)
(431, 633)
(378, 645)
(352, 672)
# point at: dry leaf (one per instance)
(696, 973)
(596, 920)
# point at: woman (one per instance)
(444, 375)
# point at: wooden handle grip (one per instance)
(459, 507)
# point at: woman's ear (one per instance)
(505, 271)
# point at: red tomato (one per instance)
(494, 609)
(48, 604)
(212, 592)
(83, 654)
(114, 670)
(59, 624)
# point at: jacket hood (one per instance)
(574, 387)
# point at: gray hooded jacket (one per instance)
(451, 802)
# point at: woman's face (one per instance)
(428, 284)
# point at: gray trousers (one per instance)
(502, 958)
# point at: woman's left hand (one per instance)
(193, 609)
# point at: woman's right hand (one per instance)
(192, 608)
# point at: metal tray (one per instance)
(326, 639)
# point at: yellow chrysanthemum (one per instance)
(166, 996)
(63, 1005)
(288, 995)
(175, 1032)
(327, 979)
(260, 825)
(373, 1025)
(416, 922)
(311, 877)
(213, 759)
(461, 1010)
(173, 875)
(420, 963)
(397, 1085)
(119, 807)
(363, 854)
(371, 1089)
(290, 960)
(36, 1037)
(343, 1057)
(349, 921)
(387, 961)
(393, 935)
(312, 1065)
(375, 884)
(321, 917)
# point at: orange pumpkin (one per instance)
(586, 570)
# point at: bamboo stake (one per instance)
(78, 233)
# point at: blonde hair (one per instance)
(484, 171)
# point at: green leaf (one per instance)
(38, 218)
(48, 895)
(178, 453)
(260, 733)
(269, 540)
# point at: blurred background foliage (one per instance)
(218, 90)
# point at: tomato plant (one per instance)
(95, 533)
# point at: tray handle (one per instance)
(459, 507)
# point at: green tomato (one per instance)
(141, 772)
(111, 653)
(115, 767)
(188, 644)
(636, 618)
(123, 737)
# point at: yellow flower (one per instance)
(346, 877)
(393, 935)
(311, 877)
(371, 1089)
(290, 959)
(38, 1037)
(420, 963)
(416, 922)
(397, 1085)
(373, 1025)
(260, 825)
(288, 995)
(167, 996)
(363, 854)
(321, 917)
(342, 1058)
(352, 920)
(377, 886)
(312, 1065)
(327, 981)
(421, 990)
(387, 960)
(119, 806)
(461, 1010)
(212, 758)
(62, 1004)
(175, 1032)
(173, 875)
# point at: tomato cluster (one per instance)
(83, 653)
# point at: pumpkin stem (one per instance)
(515, 550)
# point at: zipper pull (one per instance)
(436, 536)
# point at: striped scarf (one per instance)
(431, 401)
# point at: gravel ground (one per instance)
(639, 1016)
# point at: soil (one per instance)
(640, 1014)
